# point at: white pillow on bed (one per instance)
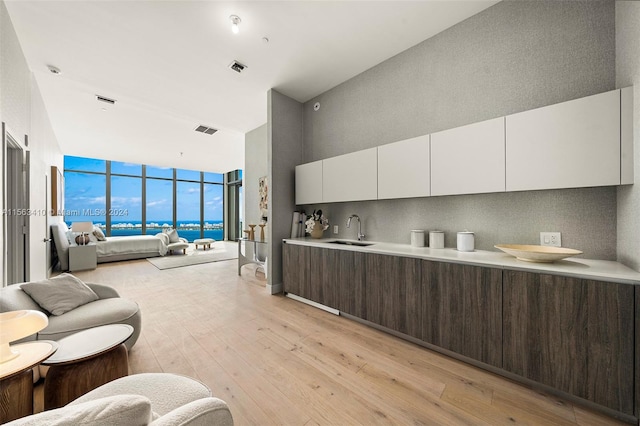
(98, 234)
(164, 237)
(173, 236)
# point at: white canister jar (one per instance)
(466, 241)
(417, 238)
(436, 239)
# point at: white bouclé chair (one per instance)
(157, 399)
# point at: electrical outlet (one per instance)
(335, 229)
(550, 239)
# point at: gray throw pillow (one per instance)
(173, 236)
(60, 294)
(98, 233)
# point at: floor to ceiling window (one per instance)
(159, 199)
(135, 199)
(85, 188)
(234, 205)
(213, 206)
(188, 209)
(126, 199)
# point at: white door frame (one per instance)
(15, 222)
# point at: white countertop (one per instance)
(604, 270)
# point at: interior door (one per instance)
(15, 206)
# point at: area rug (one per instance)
(220, 250)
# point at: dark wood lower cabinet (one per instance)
(462, 310)
(349, 278)
(574, 335)
(295, 269)
(334, 278)
(637, 351)
(393, 293)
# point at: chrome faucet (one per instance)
(360, 234)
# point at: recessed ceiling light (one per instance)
(235, 20)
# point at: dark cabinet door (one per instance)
(393, 293)
(295, 269)
(572, 334)
(462, 309)
(349, 278)
(333, 278)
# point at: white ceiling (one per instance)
(166, 64)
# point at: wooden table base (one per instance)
(66, 382)
(16, 396)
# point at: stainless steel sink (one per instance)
(351, 243)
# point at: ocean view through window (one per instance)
(134, 199)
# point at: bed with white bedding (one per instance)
(113, 249)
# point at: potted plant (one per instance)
(316, 224)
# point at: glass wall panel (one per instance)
(160, 172)
(126, 206)
(188, 175)
(84, 197)
(213, 211)
(213, 177)
(84, 164)
(196, 214)
(159, 205)
(188, 210)
(118, 168)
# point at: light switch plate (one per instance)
(550, 239)
(335, 229)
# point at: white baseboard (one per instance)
(314, 304)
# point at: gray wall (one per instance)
(511, 57)
(284, 152)
(627, 74)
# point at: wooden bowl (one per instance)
(533, 253)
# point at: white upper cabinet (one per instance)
(309, 183)
(403, 169)
(351, 177)
(567, 145)
(581, 143)
(469, 159)
(626, 136)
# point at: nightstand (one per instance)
(82, 257)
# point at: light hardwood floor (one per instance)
(277, 361)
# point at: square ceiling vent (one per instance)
(205, 129)
(237, 66)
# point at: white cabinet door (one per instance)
(567, 145)
(626, 136)
(468, 159)
(403, 169)
(351, 177)
(309, 183)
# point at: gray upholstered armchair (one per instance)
(110, 308)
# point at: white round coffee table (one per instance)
(204, 242)
(85, 360)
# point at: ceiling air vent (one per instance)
(106, 100)
(237, 66)
(204, 129)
